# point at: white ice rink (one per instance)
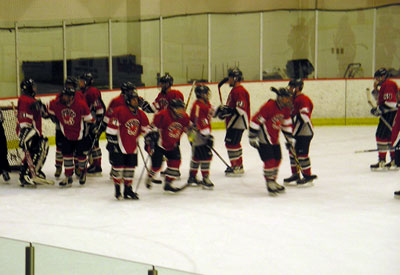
(347, 223)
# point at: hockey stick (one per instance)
(144, 167)
(370, 102)
(190, 94)
(296, 160)
(222, 82)
(219, 156)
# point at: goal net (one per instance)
(15, 154)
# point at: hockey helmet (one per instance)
(126, 86)
(282, 92)
(201, 90)
(72, 82)
(236, 74)
(28, 87)
(69, 91)
(381, 72)
(129, 94)
(296, 83)
(167, 78)
(87, 78)
(176, 103)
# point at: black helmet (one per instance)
(381, 72)
(71, 81)
(68, 91)
(88, 78)
(167, 78)
(281, 92)
(236, 74)
(201, 90)
(127, 86)
(176, 104)
(296, 83)
(130, 94)
(27, 87)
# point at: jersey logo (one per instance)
(277, 121)
(68, 116)
(175, 130)
(133, 126)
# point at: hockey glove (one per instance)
(150, 141)
(224, 111)
(253, 138)
(376, 111)
(25, 135)
(145, 106)
(112, 144)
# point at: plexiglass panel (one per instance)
(8, 74)
(345, 44)
(185, 48)
(287, 35)
(388, 39)
(87, 51)
(150, 51)
(235, 41)
(12, 256)
(41, 57)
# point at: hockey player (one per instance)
(265, 125)
(164, 96)
(386, 111)
(4, 165)
(236, 113)
(97, 108)
(202, 140)
(168, 126)
(72, 113)
(124, 128)
(303, 133)
(31, 140)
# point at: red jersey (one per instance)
(162, 100)
(28, 117)
(271, 119)
(71, 118)
(128, 126)
(93, 100)
(387, 95)
(200, 116)
(301, 114)
(238, 99)
(170, 128)
(115, 102)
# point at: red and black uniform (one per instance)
(72, 121)
(96, 106)
(163, 98)
(200, 116)
(239, 101)
(387, 103)
(170, 129)
(124, 128)
(303, 133)
(28, 117)
(267, 124)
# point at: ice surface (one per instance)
(347, 223)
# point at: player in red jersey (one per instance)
(124, 128)
(202, 140)
(265, 126)
(74, 116)
(236, 113)
(164, 96)
(386, 110)
(168, 127)
(303, 133)
(97, 108)
(29, 129)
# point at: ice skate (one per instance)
(193, 181)
(94, 171)
(379, 166)
(148, 183)
(392, 166)
(273, 187)
(129, 194)
(236, 171)
(118, 194)
(307, 179)
(67, 182)
(26, 180)
(6, 176)
(397, 194)
(206, 183)
(40, 174)
(82, 178)
(293, 177)
(58, 172)
(170, 188)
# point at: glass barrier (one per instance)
(8, 73)
(41, 57)
(388, 39)
(12, 256)
(150, 51)
(345, 44)
(185, 43)
(235, 42)
(288, 36)
(87, 51)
